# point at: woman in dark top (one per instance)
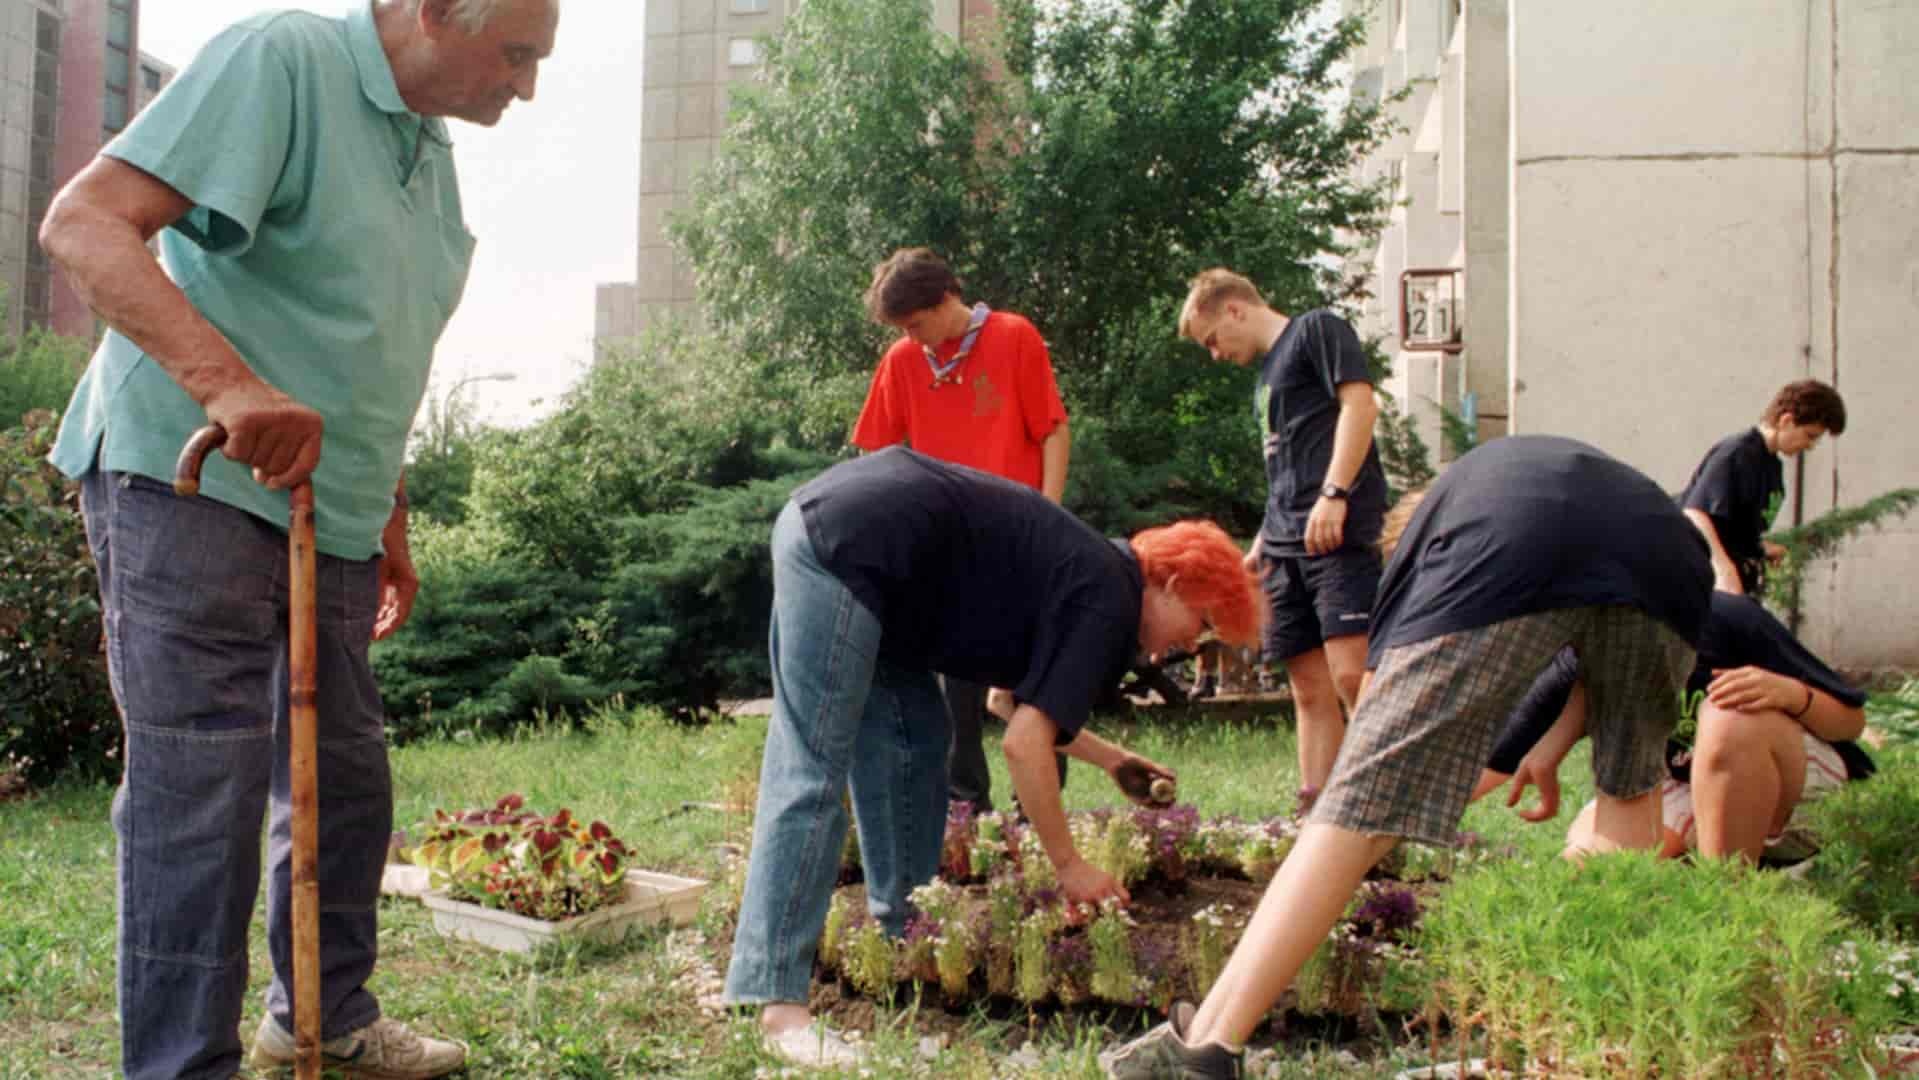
(1764, 725)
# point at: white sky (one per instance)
(551, 193)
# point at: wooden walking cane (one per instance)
(302, 737)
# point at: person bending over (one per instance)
(889, 569)
(1524, 546)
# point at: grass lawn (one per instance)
(603, 1011)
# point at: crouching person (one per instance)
(1524, 546)
(887, 570)
(1765, 727)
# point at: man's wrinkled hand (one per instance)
(398, 586)
(276, 436)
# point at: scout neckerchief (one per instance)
(949, 371)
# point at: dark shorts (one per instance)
(1425, 725)
(1314, 598)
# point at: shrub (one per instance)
(1822, 537)
(1570, 970)
(690, 597)
(485, 643)
(56, 707)
(38, 371)
(617, 548)
(1867, 863)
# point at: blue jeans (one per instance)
(195, 595)
(840, 715)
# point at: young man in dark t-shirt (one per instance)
(1764, 726)
(1524, 546)
(1735, 492)
(893, 567)
(1325, 495)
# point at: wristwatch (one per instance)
(1330, 490)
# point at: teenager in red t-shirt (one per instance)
(974, 387)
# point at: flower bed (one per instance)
(995, 926)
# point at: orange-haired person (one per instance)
(887, 570)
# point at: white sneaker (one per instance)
(813, 1046)
(383, 1050)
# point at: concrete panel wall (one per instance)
(1486, 207)
(1654, 77)
(1863, 606)
(1649, 308)
(1711, 199)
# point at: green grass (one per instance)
(621, 1010)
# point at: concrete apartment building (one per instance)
(71, 73)
(1659, 213)
(696, 51)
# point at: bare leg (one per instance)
(1346, 660)
(1618, 824)
(784, 1016)
(1748, 771)
(1298, 910)
(1320, 723)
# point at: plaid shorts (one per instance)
(1425, 726)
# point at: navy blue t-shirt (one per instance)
(1739, 485)
(980, 578)
(1297, 402)
(1740, 632)
(1534, 523)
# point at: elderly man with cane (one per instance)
(299, 180)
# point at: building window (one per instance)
(35, 294)
(117, 61)
(119, 27)
(742, 52)
(150, 78)
(116, 117)
(749, 7)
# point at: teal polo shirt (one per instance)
(325, 241)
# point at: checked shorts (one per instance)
(1425, 726)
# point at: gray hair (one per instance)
(470, 15)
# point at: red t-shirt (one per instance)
(995, 418)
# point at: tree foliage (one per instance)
(1821, 538)
(56, 709)
(618, 547)
(1078, 169)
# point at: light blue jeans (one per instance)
(195, 595)
(840, 715)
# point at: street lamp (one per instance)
(449, 404)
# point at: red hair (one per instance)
(1207, 573)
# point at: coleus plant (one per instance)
(547, 867)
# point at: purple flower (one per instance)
(920, 928)
(1072, 954)
(1389, 911)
